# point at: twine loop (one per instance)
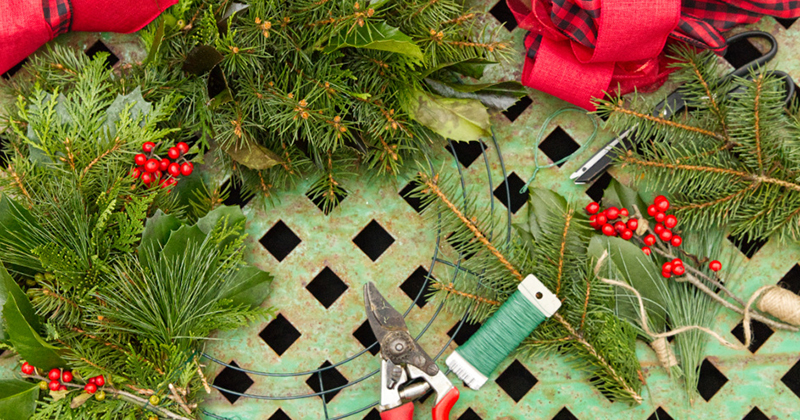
(664, 352)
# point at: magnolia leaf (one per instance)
(456, 119)
(17, 399)
(135, 104)
(59, 395)
(638, 270)
(79, 400)
(22, 325)
(472, 67)
(201, 59)
(496, 96)
(375, 36)
(157, 231)
(541, 205)
(250, 286)
(252, 155)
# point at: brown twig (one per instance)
(757, 129)
(711, 99)
(114, 148)
(22, 189)
(563, 249)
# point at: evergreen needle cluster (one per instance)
(731, 161)
(553, 246)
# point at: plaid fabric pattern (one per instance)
(58, 15)
(702, 21)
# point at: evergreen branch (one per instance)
(586, 304)
(757, 131)
(117, 144)
(449, 288)
(711, 98)
(48, 292)
(567, 220)
(728, 198)
(21, 187)
(665, 122)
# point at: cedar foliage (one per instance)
(552, 245)
(731, 161)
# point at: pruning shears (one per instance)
(407, 372)
(674, 103)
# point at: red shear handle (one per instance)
(404, 412)
(442, 410)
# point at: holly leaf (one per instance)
(17, 399)
(79, 400)
(157, 231)
(626, 262)
(135, 105)
(375, 36)
(250, 286)
(209, 221)
(22, 325)
(456, 119)
(252, 155)
(178, 241)
(496, 96)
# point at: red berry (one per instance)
(601, 219)
(99, 380)
(612, 213)
(175, 170)
(90, 388)
(623, 212)
(62, 388)
(140, 159)
(620, 226)
(66, 376)
(626, 234)
(660, 217)
(646, 250)
(666, 235)
(659, 229)
(147, 178)
(667, 266)
(92, 381)
(633, 224)
(173, 153)
(650, 240)
(187, 168)
(148, 146)
(670, 221)
(592, 208)
(54, 375)
(666, 274)
(715, 265)
(652, 210)
(677, 261)
(608, 230)
(662, 205)
(136, 173)
(27, 369)
(164, 164)
(54, 385)
(151, 165)
(676, 240)
(678, 270)
(182, 147)
(659, 199)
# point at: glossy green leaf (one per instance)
(201, 59)
(157, 38)
(157, 231)
(626, 262)
(18, 235)
(179, 240)
(473, 67)
(22, 325)
(233, 214)
(250, 286)
(253, 156)
(375, 36)
(620, 196)
(456, 119)
(496, 96)
(17, 399)
(541, 205)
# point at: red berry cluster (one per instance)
(59, 377)
(664, 224)
(151, 169)
(673, 267)
(604, 221)
(94, 383)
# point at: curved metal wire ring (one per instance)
(434, 260)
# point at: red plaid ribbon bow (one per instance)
(578, 49)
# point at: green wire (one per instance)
(552, 116)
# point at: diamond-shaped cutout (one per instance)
(372, 415)
(595, 192)
(660, 414)
(279, 415)
(761, 333)
(512, 185)
(469, 413)
(710, 381)
(331, 379)
(231, 379)
(280, 240)
(324, 205)
(516, 380)
(741, 52)
(791, 280)
(502, 13)
(100, 47)
(373, 240)
(414, 284)
(792, 379)
(280, 334)
(514, 111)
(13, 70)
(786, 23)
(748, 247)
(558, 145)
(414, 202)
(466, 331)
(755, 414)
(466, 152)
(366, 337)
(564, 414)
(327, 287)
(234, 195)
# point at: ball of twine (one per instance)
(780, 303)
